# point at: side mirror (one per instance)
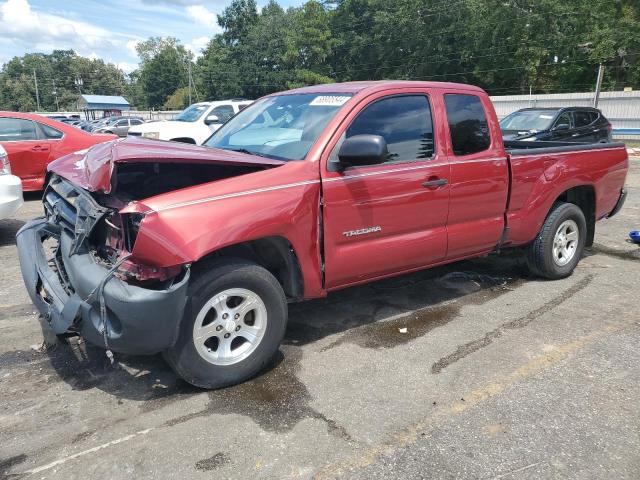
(562, 126)
(361, 150)
(211, 119)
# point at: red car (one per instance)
(33, 141)
(195, 251)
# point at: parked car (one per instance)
(96, 123)
(194, 125)
(119, 126)
(33, 141)
(569, 124)
(59, 118)
(195, 251)
(10, 188)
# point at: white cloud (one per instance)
(131, 46)
(200, 14)
(197, 45)
(126, 67)
(19, 22)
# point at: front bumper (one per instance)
(10, 195)
(619, 203)
(63, 286)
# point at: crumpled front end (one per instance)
(79, 286)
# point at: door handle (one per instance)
(435, 183)
(39, 148)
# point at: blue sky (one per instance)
(107, 29)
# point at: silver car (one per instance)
(120, 126)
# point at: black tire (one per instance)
(207, 281)
(540, 256)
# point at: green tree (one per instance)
(163, 68)
(56, 74)
(178, 99)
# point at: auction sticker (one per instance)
(329, 101)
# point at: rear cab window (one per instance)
(467, 123)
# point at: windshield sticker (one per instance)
(549, 117)
(329, 101)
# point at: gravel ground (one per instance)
(499, 375)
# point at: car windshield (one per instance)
(528, 120)
(192, 113)
(283, 127)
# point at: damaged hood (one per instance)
(92, 169)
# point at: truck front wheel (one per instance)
(558, 247)
(233, 324)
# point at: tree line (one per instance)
(504, 46)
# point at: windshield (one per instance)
(283, 127)
(192, 113)
(528, 120)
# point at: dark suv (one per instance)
(570, 124)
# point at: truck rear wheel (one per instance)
(233, 324)
(558, 247)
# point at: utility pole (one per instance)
(78, 82)
(35, 79)
(596, 97)
(55, 94)
(189, 81)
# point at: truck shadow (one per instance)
(378, 315)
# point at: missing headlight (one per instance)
(131, 222)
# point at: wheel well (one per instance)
(184, 140)
(584, 197)
(276, 255)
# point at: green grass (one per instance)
(632, 143)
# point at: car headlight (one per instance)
(5, 166)
(152, 135)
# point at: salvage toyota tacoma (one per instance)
(146, 247)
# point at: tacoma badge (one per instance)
(362, 231)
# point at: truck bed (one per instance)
(542, 171)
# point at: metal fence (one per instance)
(621, 108)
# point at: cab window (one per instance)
(403, 121)
(467, 124)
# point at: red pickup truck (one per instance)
(195, 251)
